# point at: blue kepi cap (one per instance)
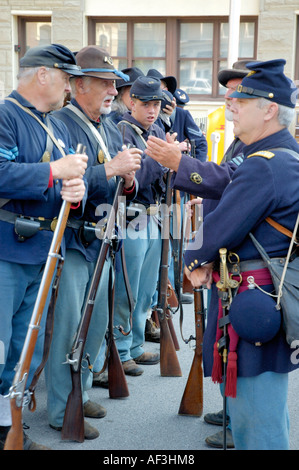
(54, 56)
(267, 80)
(146, 89)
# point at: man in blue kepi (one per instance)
(142, 242)
(34, 177)
(265, 185)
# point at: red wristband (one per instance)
(50, 183)
(130, 189)
(75, 207)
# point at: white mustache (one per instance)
(108, 98)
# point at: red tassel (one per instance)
(231, 375)
(217, 366)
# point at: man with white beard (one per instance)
(85, 117)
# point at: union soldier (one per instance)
(87, 120)
(265, 184)
(34, 178)
(143, 240)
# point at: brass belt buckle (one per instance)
(53, 224)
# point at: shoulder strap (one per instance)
(49, 132)
(50, 139)
(291, 152)
(272, 222)
(76, 111)
(263, 153)
(137, 130)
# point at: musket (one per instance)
(192, 399)
(169, 364)
(48, 335)
(117, 383)
(73, 424)
(172, 303)
(14, 440)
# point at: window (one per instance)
(33, 31)
(192, 50)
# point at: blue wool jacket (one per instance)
(150, 176)
(100, 190)
(260, 187)
(24, 180)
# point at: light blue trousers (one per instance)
(143, 254)
(18, 291)
(74, 284)
(259, 414)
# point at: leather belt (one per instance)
(44, 224)
(250, 265)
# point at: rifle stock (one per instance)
(192, 400)
(74, 415)
(169, 364)
(118, 387)
(14, 440)
(73, 423)
(173, 303)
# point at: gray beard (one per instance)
(105, 110)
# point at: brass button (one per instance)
(195, 178)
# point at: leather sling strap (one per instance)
(272, 222)
(48, 131)
(49, 145)
(90, 127)
(48, 335)
(279, 227)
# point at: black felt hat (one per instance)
(238, 70)
(170, 81)
(133, 73)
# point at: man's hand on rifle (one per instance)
(73, 190)
(129, 179)
(69, 167)
(201, 276)
(124, 163)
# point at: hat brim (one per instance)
(122, 85)
(75, 73)
(104, 75)
(237, 94)
(145, 100)
(170, 82)
(228, 74)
